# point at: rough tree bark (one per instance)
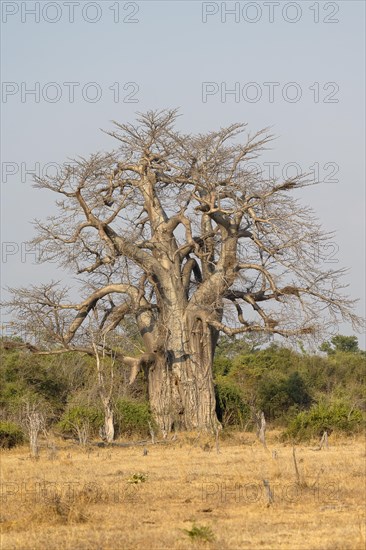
(180, 383)
(177, 232)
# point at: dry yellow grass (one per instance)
(83, 500)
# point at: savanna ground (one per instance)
(187, 495)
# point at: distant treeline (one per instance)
(304, 394)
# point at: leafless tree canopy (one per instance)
(175, 230)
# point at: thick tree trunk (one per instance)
(181, 389)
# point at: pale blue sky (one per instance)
(168, 54)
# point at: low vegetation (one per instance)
(301, 394)
(10, 435)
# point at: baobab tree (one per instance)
(177, 231)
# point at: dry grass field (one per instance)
(185, 495)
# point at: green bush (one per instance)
(132, 417)
(200, 533)
(221, 366)
(77, 416)
(22, 373)
(10, 435)
(322, 417)
(277, 394)
(230, 406)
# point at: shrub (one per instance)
(322, 417)
(132, 417)
(138, 477)
(278, 394)
(202, 533)
(81, 417)
(222, 365)
(230, 405)
(10, 435)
